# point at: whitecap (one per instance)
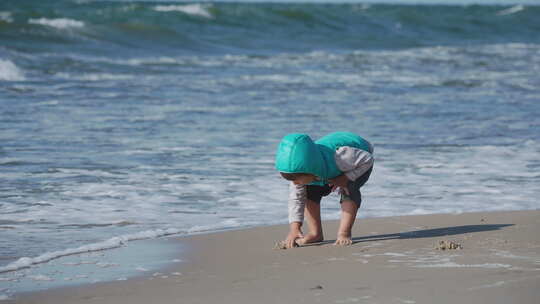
(6, 17)
(9, 71)
(95, 76)
(512, 10)
(60, 23)
(190, 9)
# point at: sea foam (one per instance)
(190, 9)
(455, 265)
(512, 10)
(6, 17)
(60, 23)
(95, 76)
(9, 71)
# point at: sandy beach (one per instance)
(392, 260)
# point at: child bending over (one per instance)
(339, 160)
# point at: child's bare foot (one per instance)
(343, 240)
(309, 238)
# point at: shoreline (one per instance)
(392, 260)
(81, 269)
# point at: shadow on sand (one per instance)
(426, 233)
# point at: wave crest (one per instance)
(10, 72)
(512, 10)
(190, 9)
(6, 17)
(60, 23)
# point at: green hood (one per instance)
(297, 153)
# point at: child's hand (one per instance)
(340, 182)
(290, 242)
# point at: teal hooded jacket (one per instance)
(298, 153)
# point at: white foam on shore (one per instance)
(59, 23)
(228, 223)
(40, 277)
(456, 265)
(107, 265)
(114, 242)
(9, 71)
(79, 263)
(394, 254)
(496, 284)
(509, 255)
(190, 9)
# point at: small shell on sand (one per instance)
(448, 245)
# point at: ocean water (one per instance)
(126, 120)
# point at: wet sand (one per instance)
(392, 260)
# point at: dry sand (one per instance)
(392, 260)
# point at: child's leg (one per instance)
(350, 203)
(313, 217)
(348, 216)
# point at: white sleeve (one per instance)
(297, 199)
(353, 162)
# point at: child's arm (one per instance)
(353, 162)
(297, 197)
